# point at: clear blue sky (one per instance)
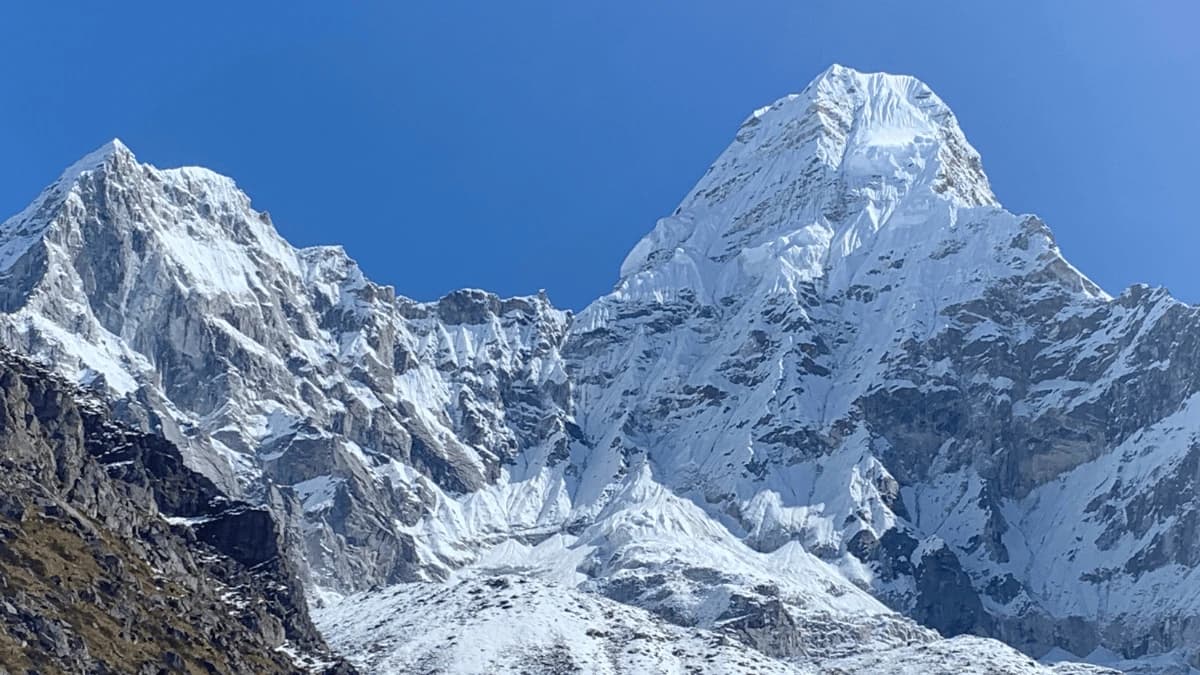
(523, 145)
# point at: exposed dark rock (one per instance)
(115, 557)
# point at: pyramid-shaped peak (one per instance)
(850, 97)
(837, 73)
(22, 224)
(862, 124)
(115, 155)
(106, 154)
(116, 145)
(836, 159)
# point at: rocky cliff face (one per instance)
(115, 557)
(840, 388)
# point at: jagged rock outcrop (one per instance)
(116, 558)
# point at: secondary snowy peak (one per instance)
(203, 226)
(21, 231)
(276, 369)
(102, 156)
(809, 180)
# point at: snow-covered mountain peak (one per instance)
(808, 182)
(209, 237)
(877, 122)
(18, 231)
(111, 151)
(124, 268)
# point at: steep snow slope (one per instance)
(838, 376)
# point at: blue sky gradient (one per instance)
(521, 145)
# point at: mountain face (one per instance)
(839, 400)
(115, 557)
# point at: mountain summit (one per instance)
(817, 174)
(840, 406)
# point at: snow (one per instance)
(213, 266)
(317, 494)
(79, 358)
(93, 161)
(961, 655)
(688, 442)
(187, 521)
(15, 245)
(1055, 563)
(891, 153)
(22, 231)
(512, 623)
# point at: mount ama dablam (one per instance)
(842, 412)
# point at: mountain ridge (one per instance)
(839, 351)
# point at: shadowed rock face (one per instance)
(115, 557)
(839, 352)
